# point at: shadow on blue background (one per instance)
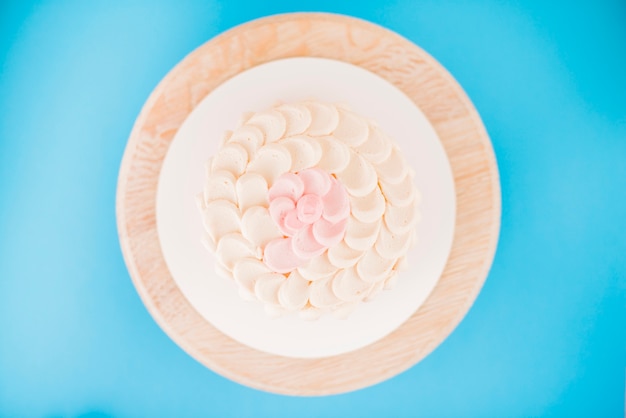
(547, 335)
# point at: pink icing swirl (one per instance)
(311, 209)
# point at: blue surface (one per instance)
(547, 335)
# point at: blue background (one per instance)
(547, 335)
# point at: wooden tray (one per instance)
(401, 63)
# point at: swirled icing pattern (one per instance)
(309, 207)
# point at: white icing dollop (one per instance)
(290, 138)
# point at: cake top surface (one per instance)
(309, 208)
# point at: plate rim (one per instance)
(436, 94)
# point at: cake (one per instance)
(309, 208)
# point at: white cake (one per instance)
(309, 208)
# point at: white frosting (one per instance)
(292, 138)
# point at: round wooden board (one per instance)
(401, 63)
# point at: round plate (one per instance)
(179, 223)
(402, 64)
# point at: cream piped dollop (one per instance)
(309, 207)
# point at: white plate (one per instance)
(182, 177)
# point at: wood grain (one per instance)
(398, 61)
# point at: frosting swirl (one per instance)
(309, 207)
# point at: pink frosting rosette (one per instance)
(311, 209)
